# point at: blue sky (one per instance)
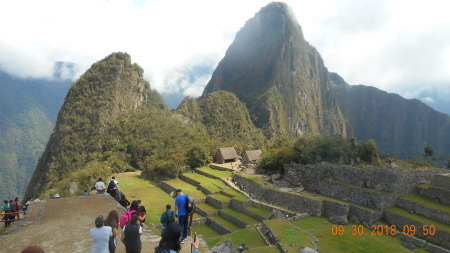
(398, 46)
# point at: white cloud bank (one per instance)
(392, 45)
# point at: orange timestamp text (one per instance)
(383, 230)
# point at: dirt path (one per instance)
(62, 225)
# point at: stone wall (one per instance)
(218, 167)
(166, 187)
(441, 237)
(203, 212)
(436, 249)
(216, 203)
(290, 201)
(233, 220)
(358, 195)
(240, 206)
(398, 181)
(437, 193)
(205, 174)
(216, 226)
(359, 214)
(442, 181)
(424, 211)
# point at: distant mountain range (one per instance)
(270, 83)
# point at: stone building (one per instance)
(226, 155)
(251, 157)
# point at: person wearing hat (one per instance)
(181, 212)
(32, 249)
(100, 236)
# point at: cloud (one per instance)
(392, 45)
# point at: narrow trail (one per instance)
(62, 225)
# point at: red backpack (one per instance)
(125, 218)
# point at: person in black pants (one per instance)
(131, 235)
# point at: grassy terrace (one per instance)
(248, 235)
(348, 243)
(287, 234)
(236, 214)
(424, 186)
(151, 195)
(265, 213)
(216, 173)
(213, 185)
(205, 231)
(222, 221)
(220, 197)
(187, 188)
(206, 207)
(237, 195)
(421, 219)
(426, 201)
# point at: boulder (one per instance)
(306, 250)
(338, 219)
(73, 188)
(225, 247)
(276, 215)
(392, 165)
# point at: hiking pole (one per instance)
(190, 222)
(192, 244)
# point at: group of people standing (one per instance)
(11, 210)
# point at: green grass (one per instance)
(348, 243)
(216, 173)
(265, 213)
(222, 221)
(421, 219)
(206, 231)
(152, 197)
(187, 188)
(248, 235)
(287, 234)
(220, 197)
(238, 215)
(206, 207)
(266, 249)
(237, 195)
(426, 201)
(213, 185)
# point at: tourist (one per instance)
(86, 193)
(100, 186)
(167, 218)
(100, 236)
(113, 188)
(32, 249)
(181, 213)
(141, 210)
(124, 201)
(131, 235)
(113, 221)
(7, 213)
(135, 207)
(170, 240)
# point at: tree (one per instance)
(197, 157)
(428, 151)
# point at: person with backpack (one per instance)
(167, 218)
(7, 215)
(141, 210)
(126, 217)
(181, 202)
(124, 201)
(170, 241)
(112, 187)
(113, 221)
(131, 235)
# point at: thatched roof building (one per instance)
(251, 157)
(226, 155)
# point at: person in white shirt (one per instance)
(100, 186)
(100, 236)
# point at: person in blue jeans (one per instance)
(180, 210)
(170, 241)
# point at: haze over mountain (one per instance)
(270, 83)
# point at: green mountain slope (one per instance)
(279, 76)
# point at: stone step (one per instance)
(425, 206)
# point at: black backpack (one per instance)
(169, 217)
(190, 204)
(111, 186)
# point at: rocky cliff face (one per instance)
(400, 126)
(111, 87)
(279, 76)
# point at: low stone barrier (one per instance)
(205, 174)
(290, 201)
(203, 212)
(166, 187)
(216, 203)
(424, 211)
(435, 192)
(436, 249)
(359, 214)
(440, 237)
(233, 220)
(216, 226)
(219, 168)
